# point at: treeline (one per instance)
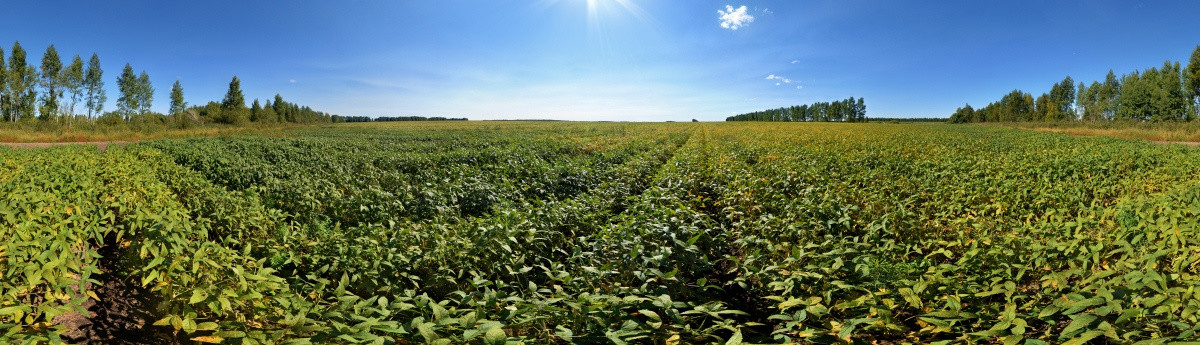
(907, 119)
(338, 119)
(847, 110)
(1169, 93)
(53, 92)
(232, 110)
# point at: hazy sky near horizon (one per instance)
(636, 60)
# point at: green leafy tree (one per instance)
(281, 109)
(1192, 80)
(51, 82)
(1107, 95)
(234, 97)
(73, 83)
(860, 111)
(963, 115)
(256, 111)
(1043, 107)
(177, 102)
(1059, 101)
(1089, 102)
(93, 85)
(22, 79)
(4, 106)
(1171, 101)
(145, 93)
(1136, 100)
(234, 105)
(127, 102)
(268, 113)
(1078, 113)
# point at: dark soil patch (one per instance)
(124, 314)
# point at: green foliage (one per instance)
(233, 97)
(1192, 80)
(1151, 95)
(127, 103)
(51, 82)
(4, 101)
(137, 94)
(73, 82)
(22, 83)
(847, 110)
(94, 87)
(145, 93)
(177, 102)
(544, 233)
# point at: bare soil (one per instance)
(1185, 143)
(124, 314)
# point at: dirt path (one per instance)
(102, 145)
(1185, 143)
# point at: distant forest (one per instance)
(847, 110)
(339, 119)
(58, 94)
(1169, 93)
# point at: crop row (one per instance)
(499, 233)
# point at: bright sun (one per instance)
(595, 8)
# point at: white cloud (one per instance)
(795, 62)
(733, 19)
(779, 78)
(767, 11)
(293, 81)
(798, 87)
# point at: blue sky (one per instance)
(638, 60)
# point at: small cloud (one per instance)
(798, 87)
(767, 11)
(776, 84)
(293, 81)
(733, 19)
(795, 62)
(779, 78)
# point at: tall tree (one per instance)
(145, 93)
(281, 109)
(268, 113)
(1089, 101)
(4, 107)
(22, 79)
(93, 84)
(1171, 100)
(234, 97)
(177, 103)
(1107, 95)
(1079, 99)
(256, 111)
(1061, 96)
(1136, 100)
(234, 105)
(73, 83)
(51, 80)
(1045, 108)
(127, 103)
(1192, 77)
(860, 111)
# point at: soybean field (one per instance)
(604, 233)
